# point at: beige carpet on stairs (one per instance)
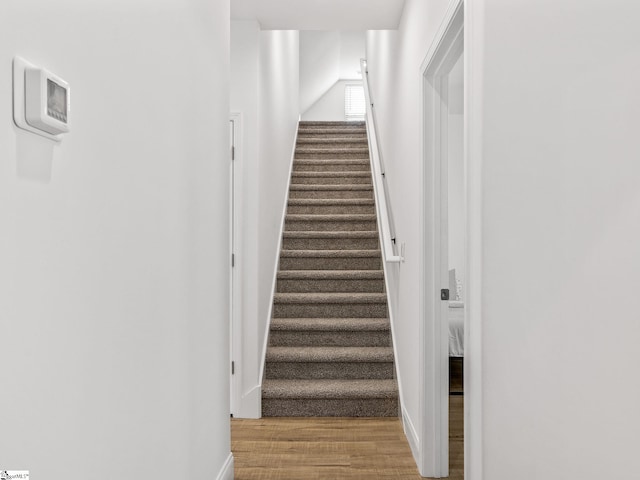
(330, 351)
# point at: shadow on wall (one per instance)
(34, 157)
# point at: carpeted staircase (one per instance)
(330, 351)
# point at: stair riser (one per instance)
(334, 263)
(345, 180)
(331, 194)
(331, 167)
(330, 226)
(329, 370)
(327, 153)
(329, 285)
(339, 407)
(293, 338)
(331, 209)
(330, 243)
(330, 310)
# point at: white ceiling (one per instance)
(320, 14)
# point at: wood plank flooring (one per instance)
(334, 448)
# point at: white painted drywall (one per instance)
(561, 204)
(455, 158)
(393, 59)
(352, 49)
(330, 107)
(114, 295)
(325, 59)
(319, 65)
(279, 115)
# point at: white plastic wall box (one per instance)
(41, 100)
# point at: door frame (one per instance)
(235, 280)
(448, 44)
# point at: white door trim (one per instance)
(473, 96)
(235, 237)
(434, 354)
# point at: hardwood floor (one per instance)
(334, 448)
(456, 438)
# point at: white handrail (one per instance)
(378, 175)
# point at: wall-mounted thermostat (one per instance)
(41, 100)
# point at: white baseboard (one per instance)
(226, 472)
(412, 436)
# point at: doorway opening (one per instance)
(444, 265)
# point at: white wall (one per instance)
(352, 49)
(560, 199)
(114, 271)
(393, 61)
(560, 214)
(325, 59)
(319, 65)
(264, 88)
(330, 107)
(279, 115)
(455, 158)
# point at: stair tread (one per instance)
(331, 130)
(328, 149)
(331, 274)
(310, 132)
(332, 217)
(331, 324)
(330, 297)
(334, 174)
(330, 139)
(330, 234)
(331, 201)
(330, 354)
(331, 161)
(331, 253)
(327, 186)
(334, 388)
